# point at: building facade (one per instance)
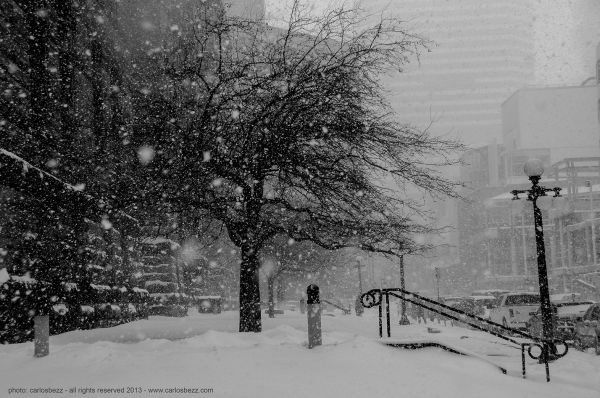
(558, 125)
(253, 9)
(549, 123)
(598, 85)
(480, 53)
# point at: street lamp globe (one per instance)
(533, 168)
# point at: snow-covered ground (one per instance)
(204, 351)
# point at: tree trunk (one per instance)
(281, 288)
(249, 291)
(271, 284)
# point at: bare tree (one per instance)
(288, 132)
(283, 257)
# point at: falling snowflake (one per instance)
(147, 25)
(106, 224)
(145, 154)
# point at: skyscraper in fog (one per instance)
(483, 52)
(245, 8)
(566, 34)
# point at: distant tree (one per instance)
(283, 257)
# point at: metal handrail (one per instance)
(346, 310)
(548, 347)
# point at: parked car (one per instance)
(497, 293)
(485, 303)
(564, 317)
(515, 309)
(469, 305)
(587, 330)
(291, 305)
(451, 301)
(565, 297)
(276, 311)
(174, 310)
(210, 304)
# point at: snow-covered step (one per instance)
(414, 344)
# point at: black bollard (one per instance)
(313, 304)
(41, 335)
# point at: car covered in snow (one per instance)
(210, 304)
(587, 329)
(564, 317)
(469, 305)
(515, 309)
(451, 301)
(485, 304)
(497, 293)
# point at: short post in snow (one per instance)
(313, 304)
(302, 305)
(41, 335)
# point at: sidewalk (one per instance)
(205, 351)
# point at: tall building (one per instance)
(598, 84)
(245, 8)
(482, 52)
(558, 125)
(566, 33)
(550, 123)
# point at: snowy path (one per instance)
(204, 351)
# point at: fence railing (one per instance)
(338, 306)
(548, 349)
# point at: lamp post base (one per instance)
(404, 320)
(550, 353)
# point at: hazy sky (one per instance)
(566, 34)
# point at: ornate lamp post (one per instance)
(534, 169)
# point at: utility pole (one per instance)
(437, 279)
(360, 289)
(403, 318)
(357, 304)
(594, 255)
